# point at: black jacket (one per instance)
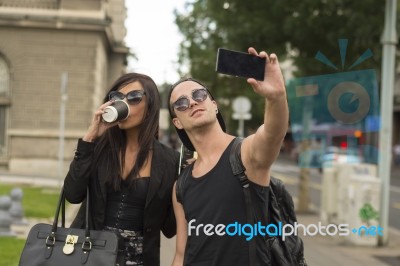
(158, 212)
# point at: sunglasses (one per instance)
(133, 97)
(183, 103)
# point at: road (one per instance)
(289, 172)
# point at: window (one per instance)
(4, 103)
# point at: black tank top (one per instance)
(217, 198)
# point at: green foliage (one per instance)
(320, 24)
(290, 28)
(367, 213)
(10, 250)
(37, 202)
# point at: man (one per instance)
(212, 195)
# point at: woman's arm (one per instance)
(78, 176)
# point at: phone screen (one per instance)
(240, 64)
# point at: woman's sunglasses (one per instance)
(133, 97)
(183, 103)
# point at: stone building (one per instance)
(42, 41)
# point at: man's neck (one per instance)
(209, 144)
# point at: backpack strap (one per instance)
(238, 170)
(235, 159)
(180, 182)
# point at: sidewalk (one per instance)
(334, 251)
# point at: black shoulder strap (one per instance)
(238, 170)
(180, 183)
(235, 160)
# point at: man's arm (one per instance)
(261, 149)
(181, 230)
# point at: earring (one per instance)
(216, 111)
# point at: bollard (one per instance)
(16, 211)
(5, 217)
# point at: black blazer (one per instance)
(158, 212)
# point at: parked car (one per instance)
(341, 155)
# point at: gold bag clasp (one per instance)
(70, 241)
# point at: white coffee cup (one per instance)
(117, 111)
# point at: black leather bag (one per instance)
(51, 245)
(281, 209)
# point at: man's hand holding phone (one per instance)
(262, 71)
(240, 64)
(273, 85)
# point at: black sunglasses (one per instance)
(183, 103)
(133, 97)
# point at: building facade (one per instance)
(55, 55)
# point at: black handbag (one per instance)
(50, 245)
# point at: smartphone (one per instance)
(240, 64)
(185, 154)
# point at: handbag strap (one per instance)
(87, 228)
(238, 170)
(51, 238)
(61, 208)
(87, 243)
(63, 213)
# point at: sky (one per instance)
(154, 38)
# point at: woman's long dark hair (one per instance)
(111, 146)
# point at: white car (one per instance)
(341, 155)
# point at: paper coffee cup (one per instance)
(117, 111)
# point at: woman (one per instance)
(129, 173)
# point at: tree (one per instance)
(292, 29)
